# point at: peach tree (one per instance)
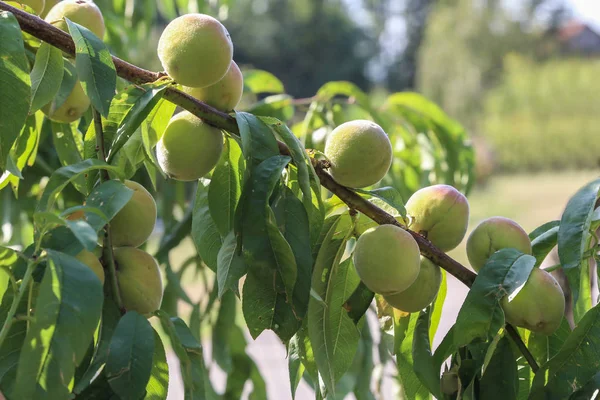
(325, 220)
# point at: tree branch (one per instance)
(108, 256)
(54, 36)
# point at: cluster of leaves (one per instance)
(260, 222)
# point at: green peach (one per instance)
(539, 306)
(195, 50)
(189, 148)
(134, 223)
(493, 234)
(387, 259)
(422, 292)
(360, 153)
(223, 95)
(440, 213)
(72, 109)
(139, 278)
(82, 12)
(91, 260)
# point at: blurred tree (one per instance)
(402, 74)
(464, 45)
(304, 43)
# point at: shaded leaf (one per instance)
(230, 265)
(70, 295)
(95, 67)
(481, 315)
(226, 186)
(46, 76)
(577, 362)
(130, 354)
(14, 79)
(204, 230)
(573, 233)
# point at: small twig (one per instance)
(17, 299)
(514, 335)
(108, 256)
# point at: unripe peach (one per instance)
(422, 292)
(189, 148)
(223, 95)
(82, 12)
(539, 306)
(440, 213)
(195, 50)
(387, 259)
(360, 153)
(91, 260)
(72, 109)
(134, 223)
(492, 235)
(140, 282)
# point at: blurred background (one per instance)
(520, 75)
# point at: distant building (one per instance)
(579, 38)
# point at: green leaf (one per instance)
(204, 230)
(136, 115)
(573, 233)
(129, 361)
(221, 332)
(63, 176)
(259, 81)
(343, 88)
(332, 333)
(189, 352)
(359, 301)
(292, 220)
(226, 186)
(70, 296)
(280, 106)
(24, 148)
(95, 67)
(272, 267)
(500, 380)
(230, 265)
(86, 235)
(438, 304)
(110, 318)
(109, 198)
(67, 83)
(422, 356)
(15, 84)
(11, 347)
(543, 239)
(158, 384)
(307, 177)
(481, 315)
(295, 366)
(68, 143)
(46, 76)
(258, 142)
(389, 195)
(404, 331)
(154, 126)
(577, 362)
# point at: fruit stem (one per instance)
(10, 317)
(514, 335)
(108, 256)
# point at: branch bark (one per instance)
(54, 36)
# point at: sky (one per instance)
(587, 10)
